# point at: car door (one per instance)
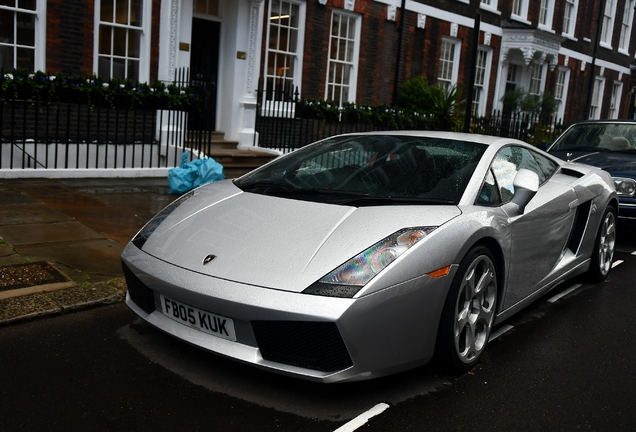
(538, 236)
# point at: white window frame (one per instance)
(546, 11)
(561, 89)
(535, 80)
(569, 22)
(144, 45)
(39, 36)
(489, 5)
(481, 83)
(449, 79)
(615, 101)
(517, 75)
(626, 27)
(332, 63)
(607, 23)
(596, 103)
(208, 13)
(297, 55)
(522, 9)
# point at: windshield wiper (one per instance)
(335, 196)
(376, 201)
(266, 186)
(629, 150)
(584, 149)
(278, 187)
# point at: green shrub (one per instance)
(45, 88)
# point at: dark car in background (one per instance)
(609, 145)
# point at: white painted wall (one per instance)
(241, 31)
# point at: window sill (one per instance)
(520, 19)
(569, 37)
(545, 29)
(489, 9)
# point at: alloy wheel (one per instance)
(607, 242)
(475, 309)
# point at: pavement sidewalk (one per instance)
(61, 241)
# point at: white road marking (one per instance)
(564, 293)
(634, 253)
(501, 330)
(362, 418)
(616, 263)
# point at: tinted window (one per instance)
(489, 194)
(378, 166)
(545, 165)
(597, 136)
(504, 168)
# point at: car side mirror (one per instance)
(526, 185)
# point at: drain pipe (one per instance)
(590, 89)
(399, 52)
(473, 71)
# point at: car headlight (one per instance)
(157, 219)
(625, 186)
(350, 277)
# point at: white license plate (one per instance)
(196, 318)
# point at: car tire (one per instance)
(469, 312)
(604, 247)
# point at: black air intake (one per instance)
(139, 293)
(310, 345)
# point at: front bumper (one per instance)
(316, 338)
(627, 208)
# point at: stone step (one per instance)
(236, 162)
(210, 140)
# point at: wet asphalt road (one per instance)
(565, 365)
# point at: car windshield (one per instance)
(370, 170)
(602, 137)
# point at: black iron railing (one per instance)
(286, 122)
(46, 125)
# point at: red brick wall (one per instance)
(421, 50)
(154, 40)
(69, 39)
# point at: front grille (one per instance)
(139, 292)
(311, 345)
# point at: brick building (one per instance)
(344, 50)
(539, 45)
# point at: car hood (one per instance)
(276, 242)
(616, 163)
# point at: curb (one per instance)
(36, 289)
(56, 299)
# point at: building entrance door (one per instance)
(204, 66)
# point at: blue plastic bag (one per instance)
(193, 174)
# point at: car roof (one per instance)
(605, 121)
(460, 136)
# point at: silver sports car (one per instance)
(367, 254)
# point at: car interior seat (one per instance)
(620, 143)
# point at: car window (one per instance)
(546, 166)
(504, 168)
(378, 167)
(335, 160)
(489, 194)
(597, 136)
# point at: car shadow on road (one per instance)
(333, 402)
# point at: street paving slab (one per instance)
(79, 227)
